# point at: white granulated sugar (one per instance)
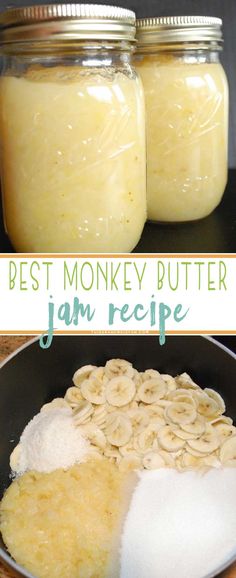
(180, 525)
(51, 441)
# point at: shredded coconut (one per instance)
(180, 525)
(51, 441)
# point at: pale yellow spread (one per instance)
(73, 159)
(187, 126)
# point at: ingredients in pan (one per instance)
(115, 419)
(137, 420)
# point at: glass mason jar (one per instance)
(72, 130)
(186, 95)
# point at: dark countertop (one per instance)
(214, 234)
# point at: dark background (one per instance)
(225, 9)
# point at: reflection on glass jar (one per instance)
(186, 95)
(73, 135)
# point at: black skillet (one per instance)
(34, 376)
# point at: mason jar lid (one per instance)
(179, 29)
(66, 22)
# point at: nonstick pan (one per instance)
(33, 376)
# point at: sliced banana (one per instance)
(185, 381)
(188, 461)
(222, 419)
(139, 419)
(120, 391)
(86, 421)
(168, 440)
(57, 402)
(137, 378)
(195, 453)
(95, 436)
(170, 382)
(133, 404)
(73, 396)
(150, 374)
(178, 465)
(147, 440)
(207, 406)
(164, 403)
(93, 390)
(212, 461)
(178, 453)
(153, 460)
(196, 428)
(180, 413)
(118, 429)
(228, 450)
(100, 415)
(99, 374)
(157, 421)
(224, 431)
(111, 408)
(82, 412)
(180, 433)
(82, 373)
(154, 411)
(152, 390)
(185, 399)
(116, 367)
(126, 408)
(15, 458)
(207, 443)
(130, 462)
(168, 458)
(129, 447)
(173, 395)
(148, 420)
(217, 398)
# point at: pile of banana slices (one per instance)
(150, 420)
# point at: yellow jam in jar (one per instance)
(187, 132)
(73, 160)
(72, 130)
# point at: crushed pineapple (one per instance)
(66, 523)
